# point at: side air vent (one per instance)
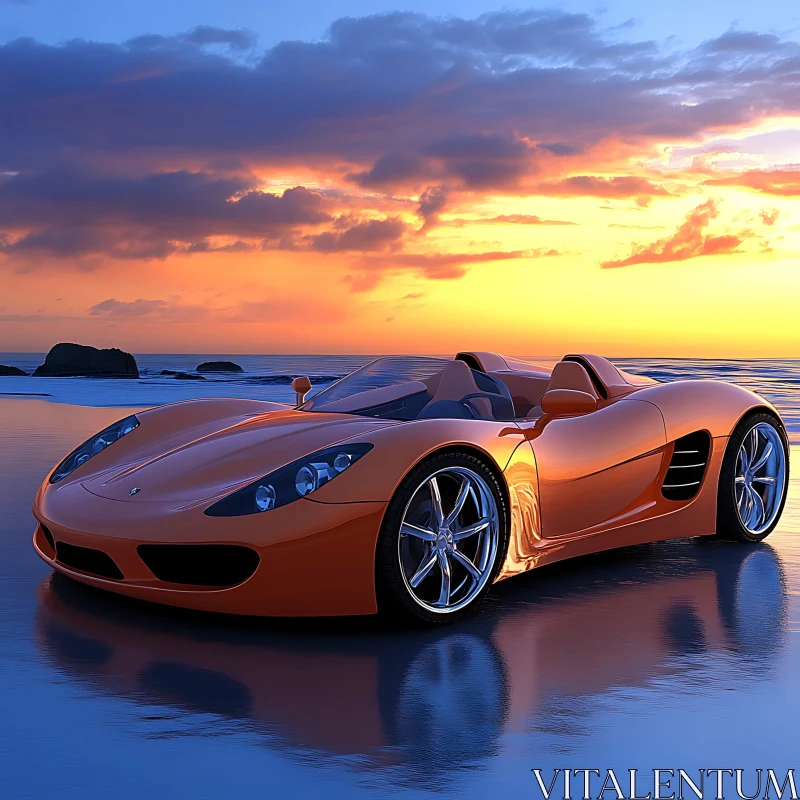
(218, 565)
(687, 466)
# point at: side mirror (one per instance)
(302, 386)
(560, 402)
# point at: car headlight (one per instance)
(92, 447)
(289, 483)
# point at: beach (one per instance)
(683, 654)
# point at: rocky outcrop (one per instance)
(68, 360)
(219, 366)
(4, 370)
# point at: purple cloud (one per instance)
(141, 149)
(374, 234)
(69, 214)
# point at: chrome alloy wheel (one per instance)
(449, 539)
(760, 478)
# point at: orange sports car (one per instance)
(410, 486)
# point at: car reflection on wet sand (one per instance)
(445, 697)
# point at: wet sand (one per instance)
(676, 655)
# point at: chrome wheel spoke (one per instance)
(407, 529)
(474, 572)
(751, 456)
(762, 458)
(765, 479)
(436, 502)
(471, 530)
(423, 572)
(743, 462)
(444, 593)
(741, 503)
(461, 499)
(756, 516)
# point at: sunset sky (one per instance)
(358, 177)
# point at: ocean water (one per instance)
(684, 654)
(268, 377)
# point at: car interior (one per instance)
(464, 389)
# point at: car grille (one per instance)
(687, 466)
(85, 559)
(219, 565)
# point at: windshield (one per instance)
(378, 374)
(415, 387)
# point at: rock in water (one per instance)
(186, 376)
(4, 370)
(77, 360)
(219, 366)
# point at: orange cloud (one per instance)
(620, 187)
(778, 182)
(769, 216)
(150, 309)
(436, 266)
(509, 219)
(689, 241)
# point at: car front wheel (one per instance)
(443, 540)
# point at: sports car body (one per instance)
(409, 486)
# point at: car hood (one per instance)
(216, 463)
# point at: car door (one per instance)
(597, 466)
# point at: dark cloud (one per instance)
(374, 234)
(431, 202)
(238, 39)
(743, 42)
(390, 170)
(392, 95)
(483, 160)
(68, 214)
(560, 149)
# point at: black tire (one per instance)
(729, 525)
(394, 597)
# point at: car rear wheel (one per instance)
(443, 540)
(753, 480)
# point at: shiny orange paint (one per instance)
(576, 483)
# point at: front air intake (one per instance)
(687, 466)
(48, 537)
(217, 565)
(86, 559)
